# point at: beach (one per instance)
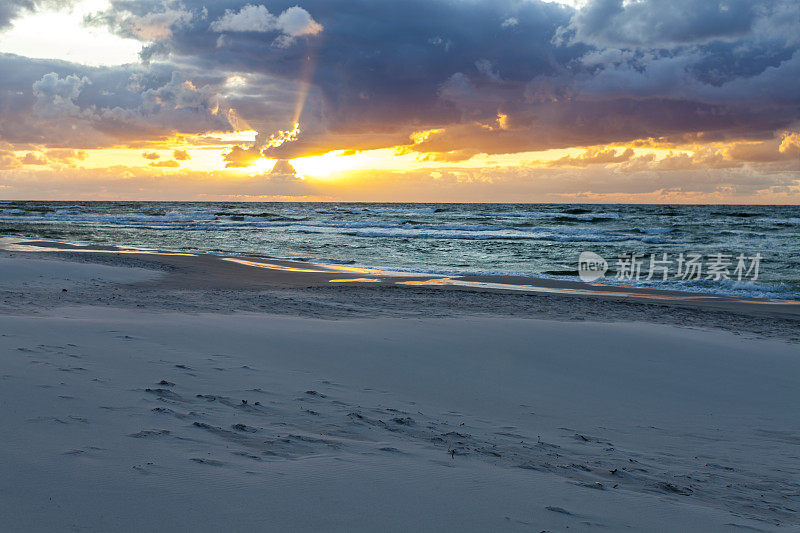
(194, 391)
(420, 265)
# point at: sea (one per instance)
(531, 240)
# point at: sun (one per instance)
(261, 166)
(326, 166)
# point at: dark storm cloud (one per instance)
(581, 123)
(378, 67)
(657, 23)
(609, 72)
(63, 104)
(497, 76)
(11, 9)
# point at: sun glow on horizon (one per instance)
(231, 136)
(326, 165)
(261, 166)
(201, 159)
(336, 163)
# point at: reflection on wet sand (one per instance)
(579, 292)
(325, 269)
(272, 266)
(423, 280)
(371, 271)
(11, 244)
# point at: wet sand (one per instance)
(212, 272)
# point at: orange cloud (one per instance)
(67, 156)
(593, 156)
(32, 158)
(765, 151)
(239, 157)
(169, 163)
(9, 160)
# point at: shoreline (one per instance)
(382, 276)
(207, 282)
(538, 282)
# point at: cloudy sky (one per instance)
(401, 100)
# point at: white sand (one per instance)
(386, 424)
(25, 273)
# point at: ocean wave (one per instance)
(789, 221)
(737, 214)
(501, 239)
(400, 233)
(654, 231)
(364, 229)
(270, 217)
(561, 216)
(743, 289)
(383, 210)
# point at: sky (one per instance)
(589, 101)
